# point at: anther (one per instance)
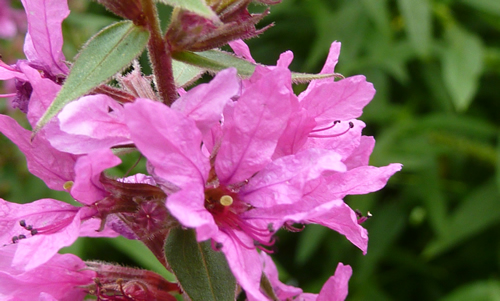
(67, 186)
(226, 200)
(15, 239)
(34, 232)
(22, 223)
(22, 236)
(218, 246)
(29, 227)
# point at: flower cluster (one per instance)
(234, 159)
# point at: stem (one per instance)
(159, 55)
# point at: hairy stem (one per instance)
(159, 55)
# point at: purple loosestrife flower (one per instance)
(224, 186)
(335, 288)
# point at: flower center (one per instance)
(226, 200)
(227, 210)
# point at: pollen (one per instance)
(68, 185)
(226, 200)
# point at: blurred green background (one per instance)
(435, 231)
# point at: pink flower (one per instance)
(335, 288)
(60, 278)
(223, 194)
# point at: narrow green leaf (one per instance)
(417, 16)
(462, 66)
(105, 54)
(484, 290)
(198, 7)
(497, 165)
(185, 74)
(216, 60)
(476, 213)
(202, 272)
(488, 6)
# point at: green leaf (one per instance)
(497, 165)
(105, 54)
(198, 7)
(216, 60)
(488, 6)
(185, 74)
(202, 272)
(485, 290)
(462, 66)
(476, 213)
(417, 16)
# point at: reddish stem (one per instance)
(159, 55)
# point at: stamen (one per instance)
(327, 128)
(68, 185)
(361, 218)
(8, 95)
(226, 200)
(351, 125)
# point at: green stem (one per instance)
(159, 55)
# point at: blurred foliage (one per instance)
(435, 64)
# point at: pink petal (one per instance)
(187, 206)
(169, 140)
(329, 67)
(58, 279)
(250, 137)
(339, 217)
(361, 155)
(44, 40)
(205, 102)
(341, 100)
(361, 180)
(285, 59)
(52, 166)
(98, 116)
(295, 135)
(57, 223)
(8, 72)
(87, 188)
(336, 288)
(88, 124)
(44, 92)
(241, 49)
(244, 263)
(282, 181)
(283, 292)
(344, 144)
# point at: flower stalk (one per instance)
(159, 55)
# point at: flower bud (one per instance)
(189, 31)
(127, 9)
(114, 282)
